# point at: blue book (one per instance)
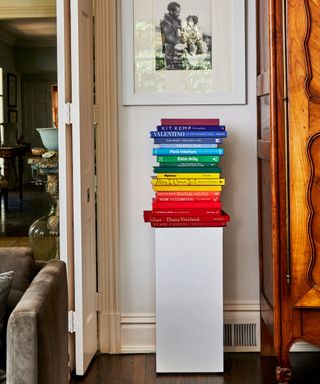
(186, 151)
(188, 134)
(187, 140)
(191, 127)
(180, 145)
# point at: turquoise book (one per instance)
(186, 151)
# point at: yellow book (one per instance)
(188, 188)
(164, 181)
(189, 175)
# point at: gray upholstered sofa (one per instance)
(36, 335)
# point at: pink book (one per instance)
(190, 121)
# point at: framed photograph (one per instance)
(183, 52)
(12, 116)
(12, 90)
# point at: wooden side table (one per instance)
(8, 154)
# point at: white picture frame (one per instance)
(223, 82)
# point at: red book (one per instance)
(185, 204)
(198, 224)
(181, 212)
(187, 199)
(190, 121)
(185, 194)
(186, 219)
(215, 214)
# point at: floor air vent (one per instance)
(241, 337)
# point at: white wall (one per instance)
(241, 272)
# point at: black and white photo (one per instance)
(183, 52)
(182, 42)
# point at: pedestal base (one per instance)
(189, 299)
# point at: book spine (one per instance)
(186, 182)
(191, 128)
(188, 159)
(187, 151)
(157, 212)
(214, 214)
(184, 219)
(188, 199)
(192, 121)
(184, 175)
(158, 170)
(188, 145)
(189, 194)
(188, 134)
(189, 165)
(211, 212)
(187, 188)
(188, 140)
(183, 225)
(186, 204)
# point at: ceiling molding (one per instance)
(24, 11)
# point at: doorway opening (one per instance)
(28, 101)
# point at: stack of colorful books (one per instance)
(187, 180)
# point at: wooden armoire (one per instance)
(288, 146)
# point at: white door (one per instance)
(37, 110)
(76, 168)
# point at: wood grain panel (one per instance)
(314, 209)
(310, 325)
(294, 46)
(312, 49)
(298, 137)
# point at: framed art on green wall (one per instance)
(12, 90)
(183, 52)
(12, 116)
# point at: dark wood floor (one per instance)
(240, 368)
(15, 222)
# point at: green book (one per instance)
(188, 159)
(189, 165)
(186, 170)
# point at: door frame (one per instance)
(106, 87)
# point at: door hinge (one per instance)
(71, 315)
(98, 301)
(68, 113)
(95, 114)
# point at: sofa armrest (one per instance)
(37, 333)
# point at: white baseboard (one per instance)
(138, 331)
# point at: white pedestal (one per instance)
(189, 299)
